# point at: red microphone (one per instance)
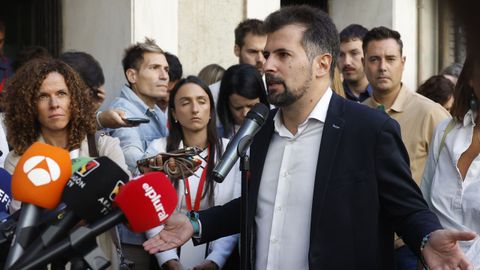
(37, 181)
(144, 202)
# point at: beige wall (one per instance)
(103, 29)
(200, 32)
(206, 30)
(205, 33)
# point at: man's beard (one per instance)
(287, 97)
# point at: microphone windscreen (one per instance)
(90, 191)
(77, 163)
(41, 174)
(147, 201)
(5, 192)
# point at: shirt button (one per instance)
(274, 240)
(279, 208)
(285, 174)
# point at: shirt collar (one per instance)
(398, 104)
(319, 113)
(469, 119)
(363, 96)
(130, 95)
(401, 100)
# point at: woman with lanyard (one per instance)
(242, 87)
(191, 116)
(49, 103)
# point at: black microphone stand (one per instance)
(245, 231)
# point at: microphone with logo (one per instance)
(37, 181)
(7, 223)
(145, 203)
(88, 195)
(239, 144)
(5, 193)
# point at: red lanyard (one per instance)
(2, 84)
(198, 197)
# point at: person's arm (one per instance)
(112, 118)
(402, 202)
(214, 223)
(131, 144)
(400, 198)
(110, 147)
(164, 257)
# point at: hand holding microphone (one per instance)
(145, 202)
(177, 164)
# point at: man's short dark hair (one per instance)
(133, 57)
(134, 54)
(29, 53)
(175, 69)
(86, 66)
(320, 35)
(353, 31)
(253, 26)
(382, 33)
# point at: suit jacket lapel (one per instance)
(258, 153)
(332, 132)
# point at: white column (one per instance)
(157, 19)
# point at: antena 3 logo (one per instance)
(157, 203)
(41, 175)
(88, 168)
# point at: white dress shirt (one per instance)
(286, 192)
(456, 202)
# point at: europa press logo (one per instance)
(41, 170)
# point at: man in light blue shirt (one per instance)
(146, 70)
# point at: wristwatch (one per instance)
(193, 217)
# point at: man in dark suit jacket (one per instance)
(362, 189)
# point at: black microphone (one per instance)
(146, 202)
(239, 144)
(88, 194)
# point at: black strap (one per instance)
(92, 145)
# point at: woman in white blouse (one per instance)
(191, 118)
(451, 180)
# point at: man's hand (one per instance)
(443, 252)
(113, 118)
(176, 232)
(99, 98)
(206, 265)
